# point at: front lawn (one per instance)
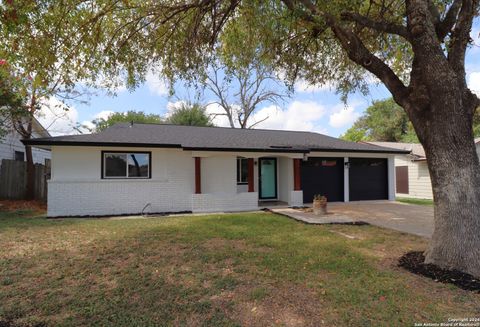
(234, 270)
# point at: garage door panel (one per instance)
(322, 176)
(368, 179)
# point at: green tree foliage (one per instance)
(476, 123)
(383, 121)
(126, 117)
(191, 114)
(386, 121)
(11, 102)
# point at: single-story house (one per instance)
(411, 170)
(159, 168)
(12, 148)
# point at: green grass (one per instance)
(215, 270)
(423, 202)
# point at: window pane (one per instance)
(115, 165)
(138, 165)
(244, 170)
(19, 156)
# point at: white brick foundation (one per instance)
(296, 198)
(224, 202)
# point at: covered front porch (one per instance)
(246, 181)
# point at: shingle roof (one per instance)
(415, 149)
(210, 138)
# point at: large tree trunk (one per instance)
(445, 130)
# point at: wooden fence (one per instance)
(13, 180)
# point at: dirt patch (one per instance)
(286, 305)
(16, 205)
(414, 262)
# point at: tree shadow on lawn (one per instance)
(214, 270)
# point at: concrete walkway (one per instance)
(407, 218)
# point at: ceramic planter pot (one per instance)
(319, 207)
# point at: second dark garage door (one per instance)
(322, 176)
(368, 179)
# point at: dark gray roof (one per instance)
(209, 138)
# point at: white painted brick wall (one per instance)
(296, 198)
(224, 202)
(115, 197)
(76, 188)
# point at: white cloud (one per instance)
(217, 114)
(298, 116)
(303, 86)
(156, 84)
(474, 82)
(104, 114)
(56, 117)
(343, 116)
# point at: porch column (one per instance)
(296, 175)
(346, 182)
(250, 175)
(198, 179)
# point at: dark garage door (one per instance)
(368, 179)
(322, 176)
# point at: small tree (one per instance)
(126, 117)
(190, 114)
(43, 55)
(382, 121)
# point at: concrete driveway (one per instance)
(408, 218)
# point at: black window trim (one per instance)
(241, 183)
(102, 172)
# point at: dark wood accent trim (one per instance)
(250, 175)
(260, 179)
(297, 184)
(401, 176)
(198, 178)
(102, 161)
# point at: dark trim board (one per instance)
(260, 179)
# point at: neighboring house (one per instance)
(412, 175)
(129, 168)
(12, 148)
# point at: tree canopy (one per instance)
(383, 121)
(386, 121)
(130, 116)
(190, 114)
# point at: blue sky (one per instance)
(310, 108)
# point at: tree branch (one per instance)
(385, 27)
(358, 52)
(461, 37)
(445, 26)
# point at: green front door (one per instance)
(268, 178)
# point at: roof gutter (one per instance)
(34, 142)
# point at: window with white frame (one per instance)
(242, 171)
(126, 165)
